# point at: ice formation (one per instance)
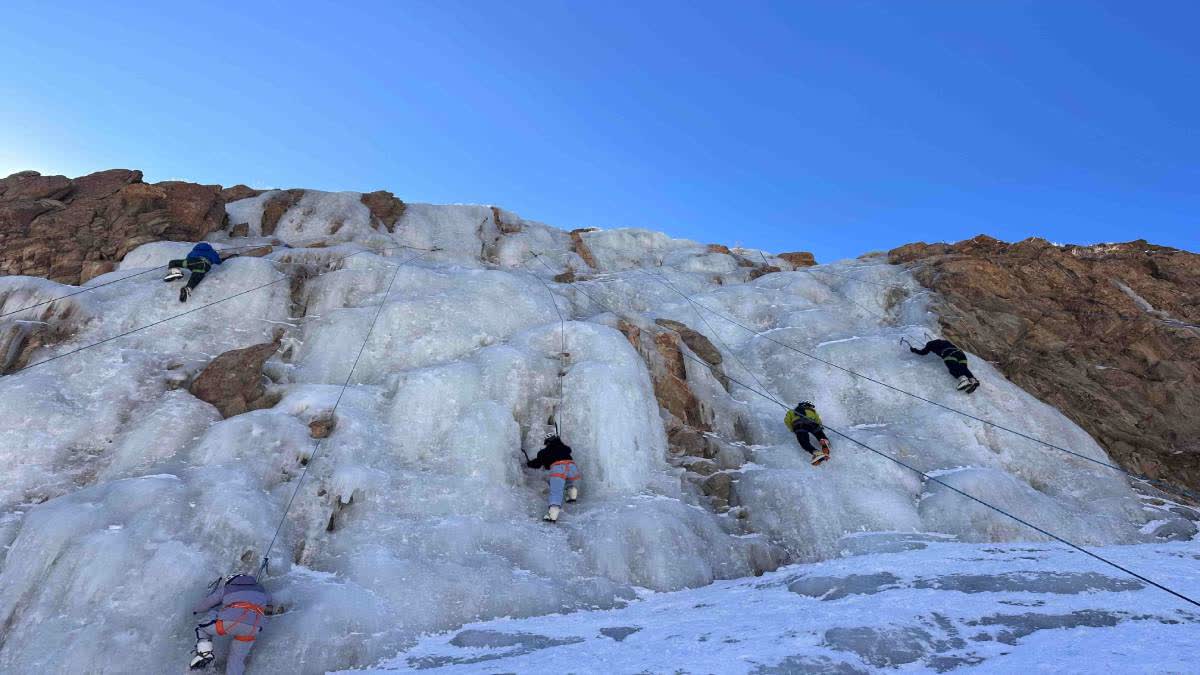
(123, 494)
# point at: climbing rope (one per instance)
(562, 353)
(263, 569)
(87, 288)
(996, 425)
(997, 509)
(185, 313)
(662, 280)
(249, 246)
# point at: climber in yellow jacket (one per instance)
(804, 420)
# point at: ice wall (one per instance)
(418, 514)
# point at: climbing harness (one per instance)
(248, 609)
(923, 474)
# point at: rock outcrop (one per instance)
(386, 209)
(1107, 334)
(233, 382)
(71, 230)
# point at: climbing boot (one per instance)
(203, 655)
(974, 385)
(964, 383)
(572, 494)
(820, 456)
(173, 274)
(184, 294)
(552, 515)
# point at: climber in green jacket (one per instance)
(804, 420)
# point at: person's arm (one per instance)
(922, 351)
(536, 462)
(211, 600)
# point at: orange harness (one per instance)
(247, 609)
(562, 473)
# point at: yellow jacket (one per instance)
(792, 416)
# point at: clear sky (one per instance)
(837, 127)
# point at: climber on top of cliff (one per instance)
(804, 420)
(955, 360)
(198, 261)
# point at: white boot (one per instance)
(963, 382)
(203, 655)
(173, 274)
(552, 515)
(572, 494)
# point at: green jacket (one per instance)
(792, 416)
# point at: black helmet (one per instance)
(805, 404)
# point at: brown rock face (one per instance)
(71, 230)
(233, 382)
(799, 258)
(1104, 333)
(385, 208)
(582, 248)
(662, 354)
(277, 205)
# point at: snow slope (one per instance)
(123, 492)
(924, 606)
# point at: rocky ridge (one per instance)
(1109, 334)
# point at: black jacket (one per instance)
(942, 348)
(554, 451)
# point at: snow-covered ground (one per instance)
(123, 495)
(925, 606)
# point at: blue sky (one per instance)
(836, 127)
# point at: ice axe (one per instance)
(904, 341)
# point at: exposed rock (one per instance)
(503, 225)
(277, 205)
(763, 271)
(233, 382)
(240, 230)
(72, 230)
(719, 248)
(40, 326)
(257, 252)
(662, 354)
(237, 192)
(567, 277)
(799, 258)
(386, 208)
(1099, 332)
(582, 249)
(719, 486)
(697, 342)
(690, 442)
(321, 427)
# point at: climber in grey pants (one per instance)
(235, 609)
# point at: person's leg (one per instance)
(238, 652)
(820, 434)
(956, 368)
(556, 489)
(572, 483)
(174, 270)
(206, 631)
(198, 267)
(802, 438)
